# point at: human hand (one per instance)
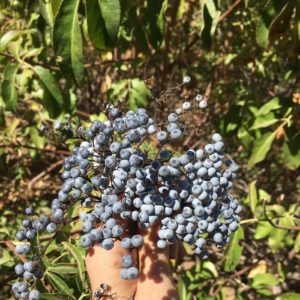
(155, 278)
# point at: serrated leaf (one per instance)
(273, 104)
(46, 11)
(264, 121)
(95, 23)
(261, 280)
(78, 257)
(261, 148)
(234, 251)
(8, 87)
(67, 39)
(53, 98)
(50, 83)
(63, 268)
(262, 230)
(138, 94)
(111, 13)
(60, 285)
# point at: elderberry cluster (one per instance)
(118, 183)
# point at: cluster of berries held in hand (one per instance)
(117, 183)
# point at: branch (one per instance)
(42, 174)
(229, 10)
(64, 152)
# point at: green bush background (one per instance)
(63, 59)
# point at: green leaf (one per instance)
(264, 121)
(55, 296)
(297, 243)
(208, 22)
(263, 229)
(95, 24)
(183, 295)
(261, 148)
(111, 13)
(55, 5)
(63, 268)
(67, 39)
(291, 152)
(60, 285)
(46, 11)
(78, 257)
(50, 83)
(8, 87)
(209, 266)
(273, 104)
(6, 259)
(138, 94)
(152, 19)
(52, 95)
(252, 196)
(234, 251)
(290, 296)
(261, 280)
(262, 34)
(8, 37)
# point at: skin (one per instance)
(155, 279)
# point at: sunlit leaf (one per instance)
(63, 268)
(78, 257)
(264, 280)
(273, 104)
(262, 230)
(8, 87)
(60, 285)
(264, 121)
(7, 37)
(252, 196)
(290, 296)
(234, 251)
(46, 11)
(261, 148)
(52, 94)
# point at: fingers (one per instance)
(155, 279)
(104, 267)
